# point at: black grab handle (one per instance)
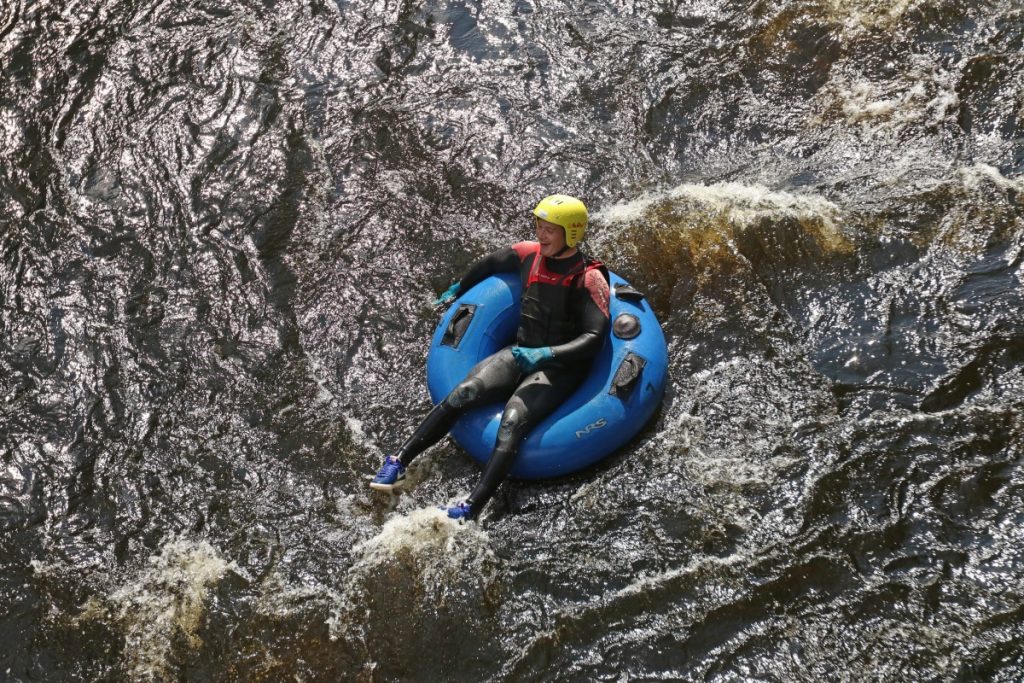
(627, 375)
(457, 325)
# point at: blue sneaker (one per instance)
(460, 512)
(390, 476)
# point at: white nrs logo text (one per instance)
(597, 424)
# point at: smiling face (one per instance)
(551, 238)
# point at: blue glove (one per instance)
(530, 359)
(448, 295)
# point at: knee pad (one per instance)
(513, 420)
(465, 393)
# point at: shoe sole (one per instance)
(386, 487)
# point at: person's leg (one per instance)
(533, 400)
(489, 381)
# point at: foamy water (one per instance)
(162, 604)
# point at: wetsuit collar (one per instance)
(561, 251)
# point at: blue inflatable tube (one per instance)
(622, 391)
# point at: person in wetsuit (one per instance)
(563, 323)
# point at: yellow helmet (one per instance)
(566, 211)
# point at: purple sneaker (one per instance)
(390, 476)
(461, 511)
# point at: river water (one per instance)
(221, 227)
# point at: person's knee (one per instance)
(514, 422)
(467, 391)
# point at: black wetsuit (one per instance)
(564, 306)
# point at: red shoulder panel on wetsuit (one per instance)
(525, 249)
(597, 288)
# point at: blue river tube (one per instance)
(622, 391)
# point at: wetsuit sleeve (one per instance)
(593, 320)
(501, 261)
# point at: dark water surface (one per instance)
(222, 223)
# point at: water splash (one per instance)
(741, 205)
(920, 94)
(701, 213)
(695, 235)
(420, 563)
(978, 176)
(163, 606)
(433, 552)
(857, 16)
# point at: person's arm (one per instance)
(501, 261)
(593, 319)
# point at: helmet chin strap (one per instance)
(565, 247)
